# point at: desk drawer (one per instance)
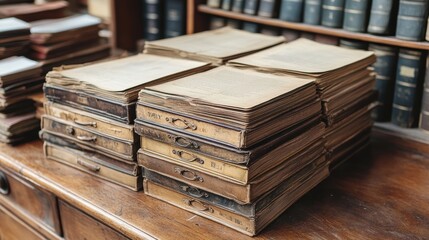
(30, 203)
(77, 225)
(12, 228)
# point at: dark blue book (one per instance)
(356, 15)
(268, 8)
(312, 12)
(408, 86)
(175, 18)
(226, 5)
(152, 20)
(353, 44)
(291, 10)
(237, 6)
(385, 68)
(250, 27)
(251, 7)
(214, 3)
(424, 113)
(382, 16)
(332, 13)
(412, 17)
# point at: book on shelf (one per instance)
(291, 10)
(233, 23)
(268, 8)
(250, 27)
(424, 113)
(382, 17)
(356, 15)
(175, 18)
(325, 39)
(216, 22)
(412, 18)
(385, 67)
(353, 44)
(152, 19)
(332, 13)
(427, 30)
(312, 12)
(250, 7)
(237, 6)
(214, 3)
(214, 46)
(270, 30)
(408, 88)
(226, 5)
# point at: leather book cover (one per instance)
(333, 13)
(226, 187)
(412, 18)
(152, 19)
(312, 12)
(91, 121)
(96, 165)
(175, 18)
(33, 12)
(237, 6)
(13, 27)
(111, 145)
(291, 10)
(268, 8)
(382, 17)
(226, 5)
(18, 124)
(251, 7)
(353, 44)
(356, 15)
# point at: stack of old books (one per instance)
(69, 40)
(215, 46)
(344, 81)
(19, 77)
(235, 146)
(30, 12)
(90, 110)
(14, 37)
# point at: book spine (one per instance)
(406, 88)
(214, 3)
(175, 15)
(384, 80)
(427, 30)
(353, 44)
(267, 8)
(424, 114)
(226, 5)
(412, 19)
(312, 12)
(251, 7)
(250, 27)
(233, 23)
(355, 15)
(152, 20)
(216, 22)
(291, 10)
(381, 16)
(237, 6)
(332, 13)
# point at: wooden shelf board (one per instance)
(389, 40)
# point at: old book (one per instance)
(216, 22)
(409, 78)
(251, 7)
(385, 67)
(427, 30)
(424, 113)
(12, 27)
(152, 19)
(15, 69)
(268, 8)
(110, 145)
(232, 23)
(332, 13)
(121, 173)
(412, 18)
(264, 157)
(210, 105)
(32, 12)
(93, 88)
(356, 15)
(214, 3)
(250, 27)
(91, 121)
(226, 5)
(64, 29)
(353, 44)
(312, 12)
(6, 2)
(227, 188)
(237, 6)
(175, 18)
(325, 39)
(19, 108)
(270, 31)
(291, 10)
(18, 125)
(248, 219)
(382, 17)
(215, 46)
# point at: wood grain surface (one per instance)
(381, 194)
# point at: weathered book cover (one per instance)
(268, 8)
(412, 17)
(291, 10)
(332, 13)
(313, 12)
(356, 15)
(382, 17)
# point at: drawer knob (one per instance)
(4, 184)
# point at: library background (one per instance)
(214, 119)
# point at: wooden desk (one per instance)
(382, 194)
